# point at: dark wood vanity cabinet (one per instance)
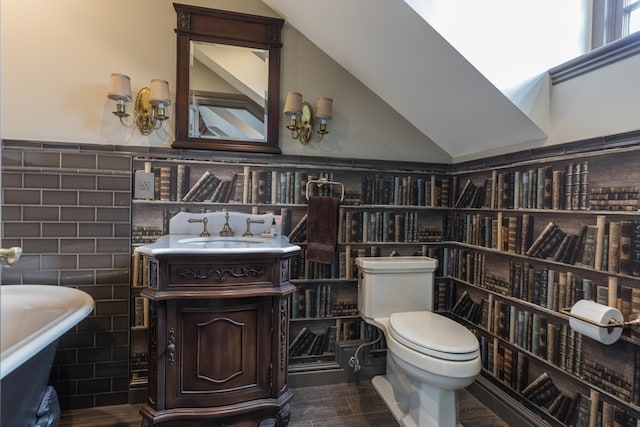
(218, 340)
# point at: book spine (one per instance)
(615, 229)
(601, 224)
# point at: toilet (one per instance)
(429, 356)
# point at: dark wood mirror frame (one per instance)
(231, 28)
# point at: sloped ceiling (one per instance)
(400, 57)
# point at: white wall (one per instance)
(603, 102)
(600, 103)
(57, 55)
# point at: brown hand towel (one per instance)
(322, 229)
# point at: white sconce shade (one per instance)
(293, 104)
(119, 87)
(324, 108)
(159, 92)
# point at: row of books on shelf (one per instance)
(179, 182)
(570, 408)
(525, 329)
(620, 198)
(543, 286)
(511, 233)
(317, 303)
(610, 380)
(612, 246)
(309, 343)
(145, 234)
(444, 293)
(139, 362)
(555, 290)
(264, 186)
(504, 363)
(365, 226)
(302, 268)
(386, 226)
(535, 188)
(140, 312)
(575, 408)
(559, 345)
(139, 271)
(429, 190)
(173, 183)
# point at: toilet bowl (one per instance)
(429, 356)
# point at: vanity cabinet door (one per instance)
(218, 351)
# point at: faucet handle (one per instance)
(204, 221)
(250, 221)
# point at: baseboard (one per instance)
(339, 370)
(504, 406)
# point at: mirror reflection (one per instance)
(228, 92)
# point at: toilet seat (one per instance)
(434, 335)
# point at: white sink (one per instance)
(224, 242)
(216, 245)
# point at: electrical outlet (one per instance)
(143, 185)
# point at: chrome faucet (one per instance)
(204, 221)
(250, 221)
(226, 231)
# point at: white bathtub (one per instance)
(33, 318)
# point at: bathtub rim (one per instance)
(81, 305)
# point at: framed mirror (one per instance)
(228, 80)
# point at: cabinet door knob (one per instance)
(171, 347)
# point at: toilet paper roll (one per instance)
(598, 313)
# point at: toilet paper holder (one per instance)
(633, 322)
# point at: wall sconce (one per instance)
(301, 116)
(150, 109)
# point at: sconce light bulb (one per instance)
(323, 127)
(161, 112)
(293, 123)
(121, 109)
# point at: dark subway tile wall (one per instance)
(69, 208)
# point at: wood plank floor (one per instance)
(337, 405)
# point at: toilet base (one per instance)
(424, 406)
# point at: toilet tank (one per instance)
(394, 284)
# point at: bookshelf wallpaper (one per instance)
(517, 243)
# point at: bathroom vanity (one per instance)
(218, 323)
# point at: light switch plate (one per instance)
(143, 185)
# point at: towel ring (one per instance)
(324, 181)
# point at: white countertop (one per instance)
(215, 245)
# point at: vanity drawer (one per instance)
(220, 274)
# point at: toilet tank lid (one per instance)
(397, 263)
